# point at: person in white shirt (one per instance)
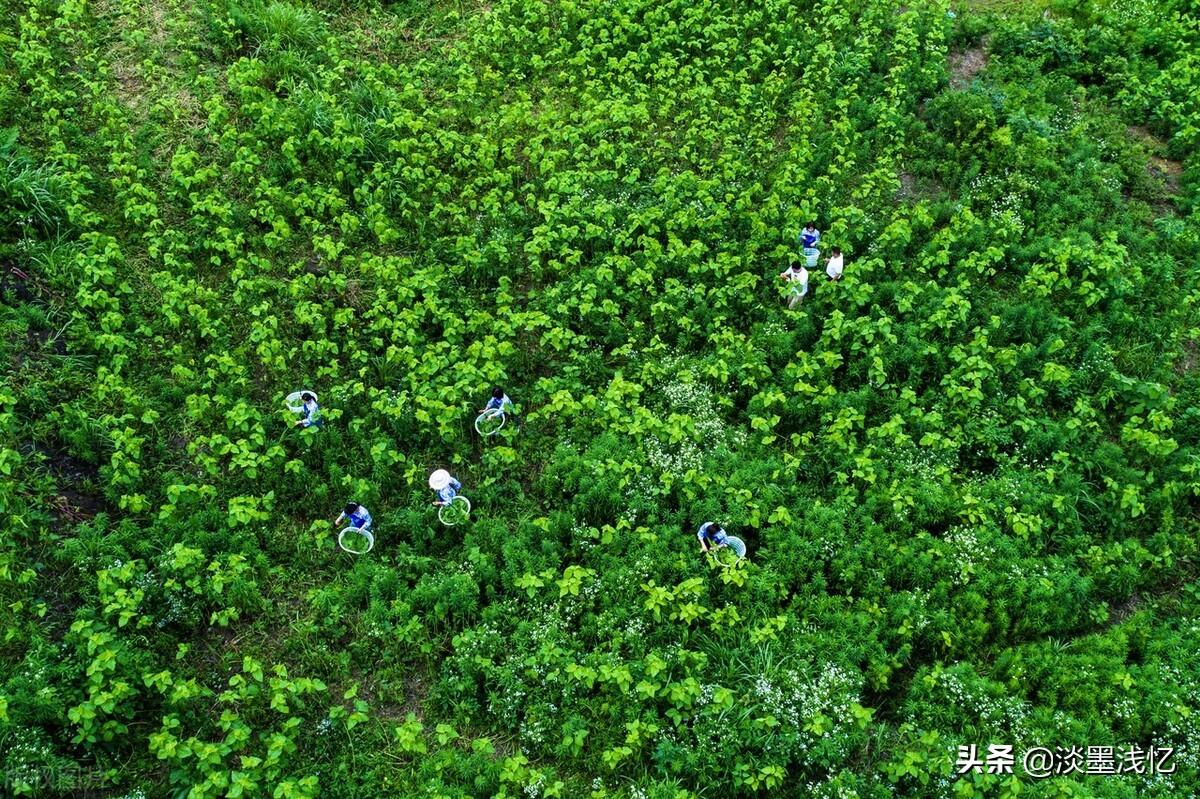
(797, 279)
(834, 267)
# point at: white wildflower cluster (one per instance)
(1005, 490)
(522, 678)
(1125, 710)
(828, 547)
(1145, 11)
(1094, 365)
(942, 787)
(923, 463)
(582, 536)
(986, 417)
(831, 788)
(694, 399)
(27, 763)
(798, 700)
(641, 486)
(1006, 713)
(969, 551)
(571, 605)
(173, 610)
(686, 457)
(1183, 731)
(472, 642)
(324, 726)
(1029, 572)
(534, 789)
(636, 628)
(34, 670)
(920, 599)
(509, 701)
(1027, 460)
(1064, 119)
(534, 729)
(999, 200)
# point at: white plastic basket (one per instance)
(294, 403)
(489, 422)
(461, 503)
(360, 534)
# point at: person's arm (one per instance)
(338, 520)
(700, 535)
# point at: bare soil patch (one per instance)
(966, 64)
(1190, 358)
(1159, 167)
(68, 467)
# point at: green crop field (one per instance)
(966, 474)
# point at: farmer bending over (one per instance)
(810, 236)
(312, 412)
(357, 516)
(834, 267)
(797, 279)
(501, 402)
(445, 486)
(711, 534)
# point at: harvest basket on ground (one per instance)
(356, 540)
(456, 511)
(489, 422)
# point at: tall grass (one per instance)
(279, 25)
(30, 193)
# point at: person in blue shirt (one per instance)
(312, 412)
(357, 516)
(445, 486)
(710, 533)
(810, 237)
(713, 537)
(502, 403)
